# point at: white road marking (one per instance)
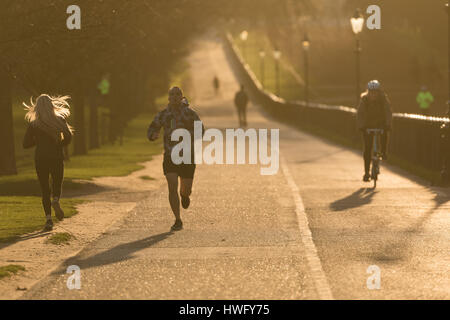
(315, 266)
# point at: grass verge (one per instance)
(9, 270)
(23, 214)
(21, 209)
(146, 178)
(60, 238)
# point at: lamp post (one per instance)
(448, 54)
(357, 22)
(262, 55)
(305, 45)
(244, 36)
(277, 56)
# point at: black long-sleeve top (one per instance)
(46, 146)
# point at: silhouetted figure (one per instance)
(50, 133)
(374, 112)
(177, 115)
(216, 85)
(240, 101)
(424, 99)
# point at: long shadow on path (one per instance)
(118, 253)
(360, 197)
(28, 236)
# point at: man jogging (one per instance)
(241, 100)
(177, 115)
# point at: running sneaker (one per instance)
(185, 202)
(178, 225)
(59, 213)
(48, 225)
(366, 177)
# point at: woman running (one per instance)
(49, 132)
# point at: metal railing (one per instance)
(414, 138)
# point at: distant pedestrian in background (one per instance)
(240, 101)
(424, 99)
(216, 85)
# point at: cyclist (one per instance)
(177, 115)
(50, 133)
(374, 111)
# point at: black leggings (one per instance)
(44, 168)
(368, 144)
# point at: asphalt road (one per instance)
(311, 231)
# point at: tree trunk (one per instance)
(115, 104)
(7, 153)
(93, 123)
(80, 130)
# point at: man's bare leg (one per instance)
(185, 191)
(174, 199)
(186, 186)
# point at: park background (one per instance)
(139, 46)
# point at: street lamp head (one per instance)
(357, 22)
(277, 54)
(262, 54)
(244, 35)
(306, 43)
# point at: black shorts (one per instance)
(183, 170)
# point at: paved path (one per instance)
(308, 232)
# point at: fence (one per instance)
(414, 138)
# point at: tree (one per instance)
(137, 42)
(7, 154)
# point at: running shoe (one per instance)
(185, 202)
(178, 225)
(366, 177)
(59, 213)
(48, 225)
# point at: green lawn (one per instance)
(20, 196)
(22, 214)
(60, 238)
(20, 203)
(9, 270)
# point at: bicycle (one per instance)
(376, 155)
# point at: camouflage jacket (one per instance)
(172, 118)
